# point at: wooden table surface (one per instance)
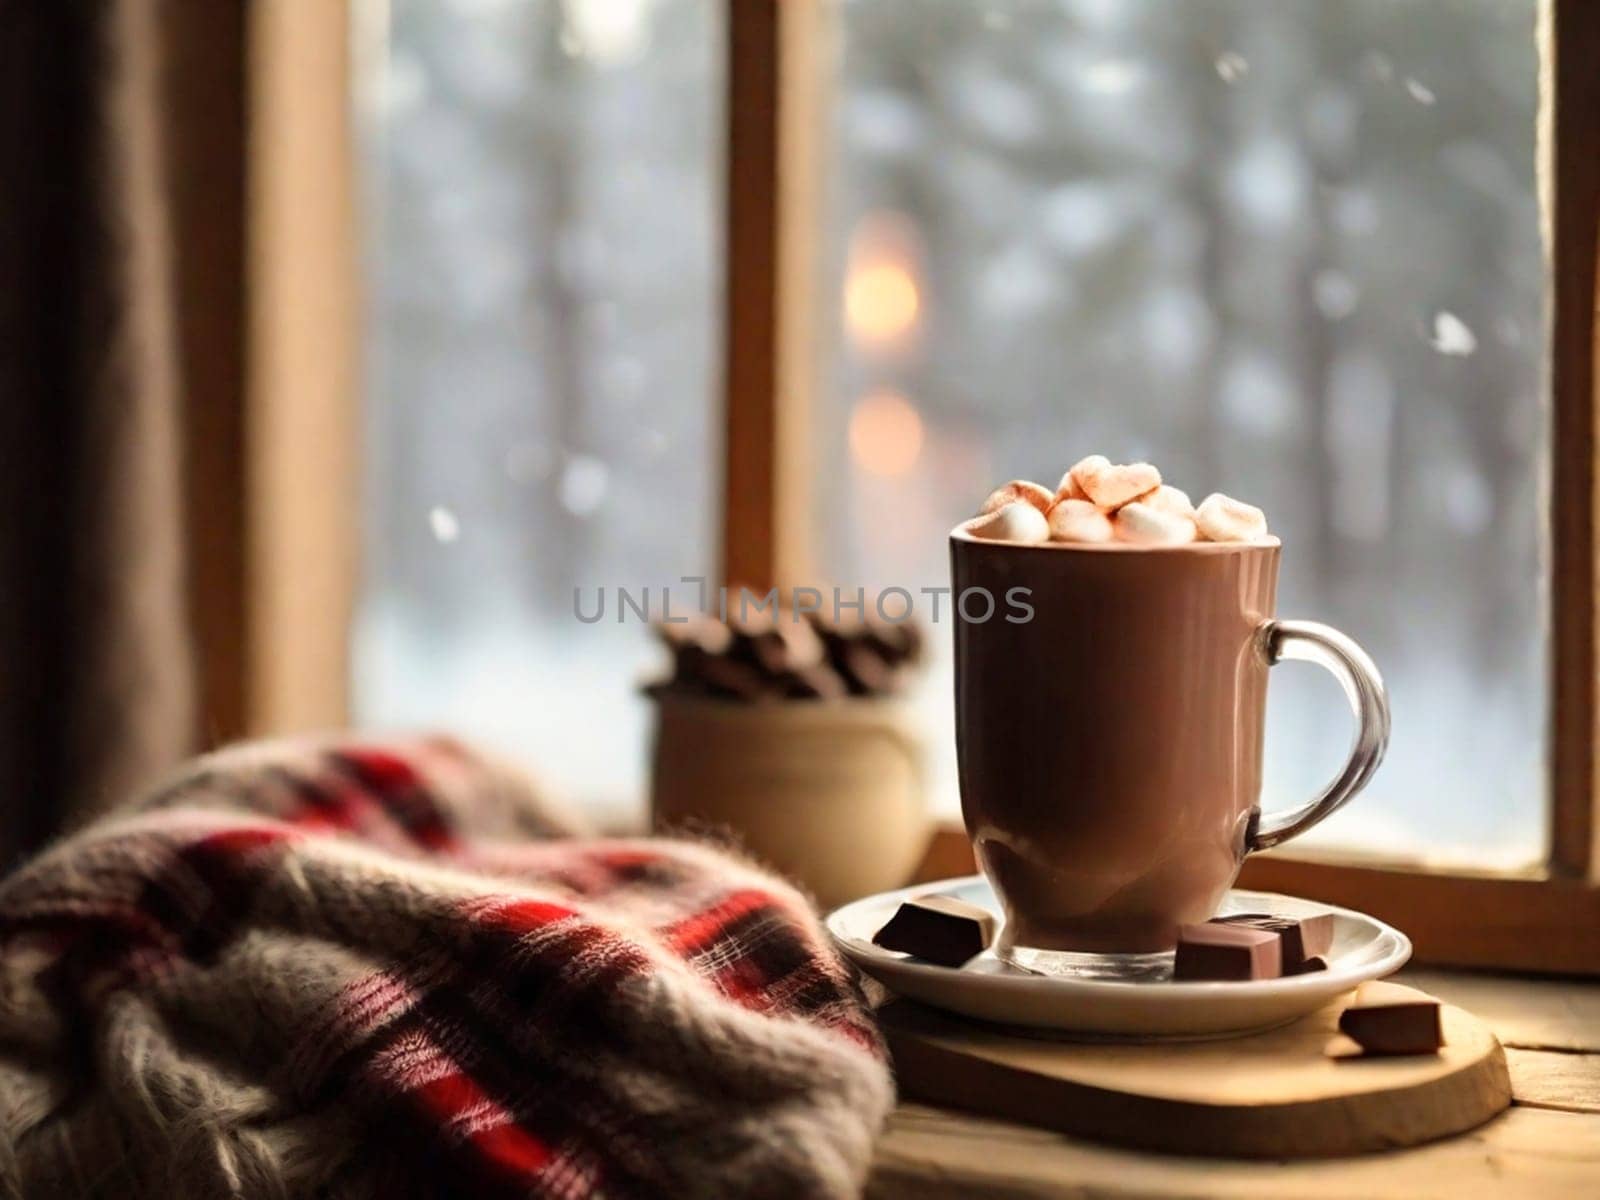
(1547, 1145)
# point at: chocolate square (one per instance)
(1382, 1022)
(1223, 951)
(1304, 938)
(941, 929)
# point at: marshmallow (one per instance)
(1078, 521)
(1110, 485)
(1143, 525)
(1018, 489)
(1018, 521)
(1068, 489)
(1083, 468)
(1224, 519)
(1099, 501)
(1170, 500)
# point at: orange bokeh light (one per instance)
(881, 301)
(885, 434)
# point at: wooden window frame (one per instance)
(302, 428)
(1542, 920)
(264, 190)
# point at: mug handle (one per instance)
(1309, 641)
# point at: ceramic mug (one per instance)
(828, 792)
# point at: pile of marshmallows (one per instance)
(1101, 501)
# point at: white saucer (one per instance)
(1363, 948)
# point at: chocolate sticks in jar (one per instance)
(778, 654)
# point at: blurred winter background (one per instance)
(1283, 248)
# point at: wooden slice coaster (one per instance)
(1269, 1095)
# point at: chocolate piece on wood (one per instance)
(1303, 937)
(941, 929)
(1226, 952)
(1384, 1021)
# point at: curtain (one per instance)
(96, 666)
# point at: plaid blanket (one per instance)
(349, 970)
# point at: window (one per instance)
(542, 187)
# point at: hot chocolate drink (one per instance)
(1110, 743)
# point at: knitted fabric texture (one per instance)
(347, 970)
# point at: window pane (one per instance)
(542, 187)
(1288, 250)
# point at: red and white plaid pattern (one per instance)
(347, 970)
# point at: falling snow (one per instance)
(584, 483)
(1232, 66)
(446, 528)
(1451, 336)
(1420, 92)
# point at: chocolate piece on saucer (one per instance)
(1224, 951)
(1384, 1020)
(1307, 966)
(941, 929)
(1304, 938)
